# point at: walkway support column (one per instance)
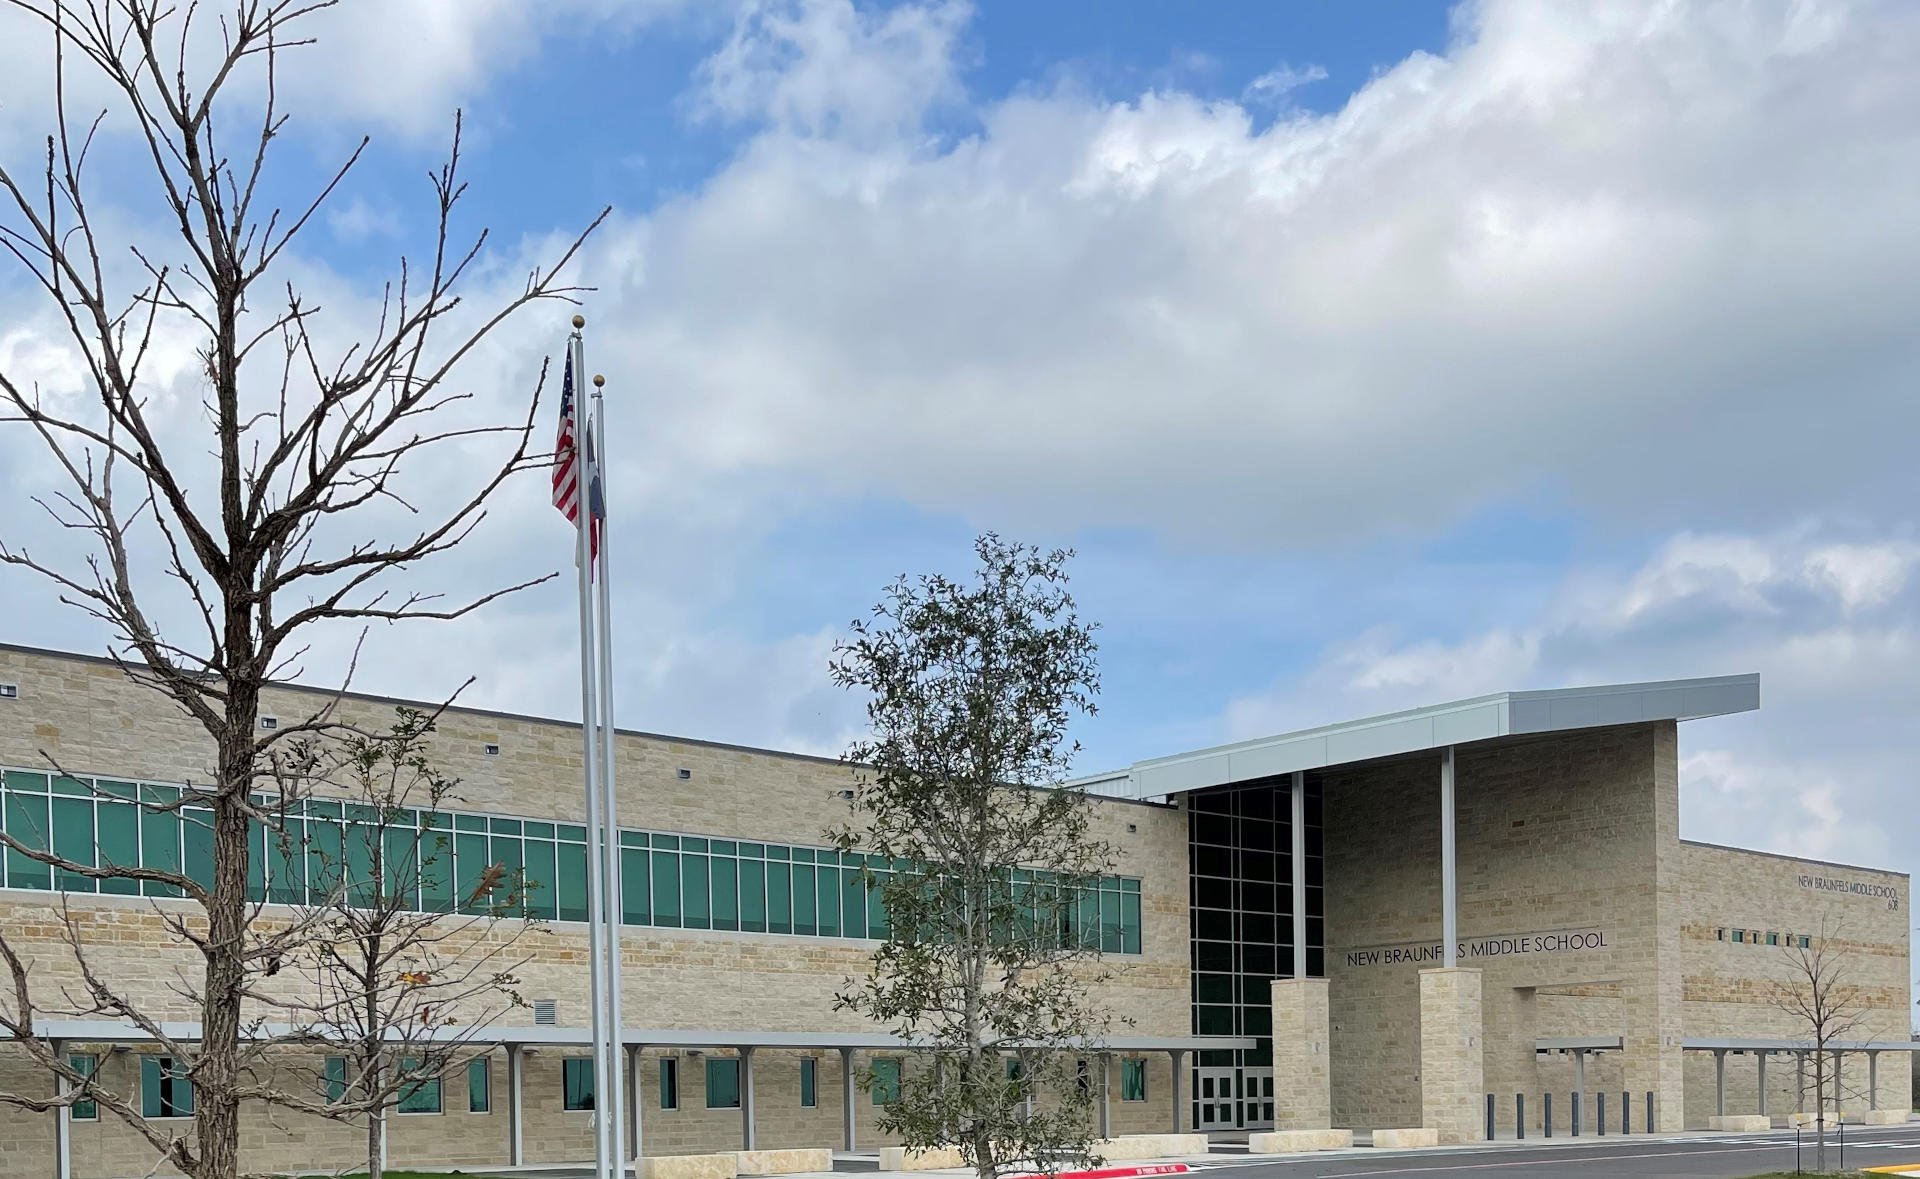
(1579, 1091)
(62, 1121)
(1873, 1080)
(1179, 1088)
(634, 1104)
(1451, 1066)
(1763, 1082)
(1720, 1082)
(1449, 876)
(1106, 1096)
(1302, 1074)
(846, 1097)
(516, 1146)
(746, 1099)
(1298, 862)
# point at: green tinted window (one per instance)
(84, 1064)
(696, 904)
(334, 1081)
(753, 896)
(828, 891)
(853, 903)
(435, 851)
(541, 883)
(570, 884)
(470, 861)
(723, 1083)
(666, 888)
(886, 1081)
(479, 1085)
(26, 816)
(780, 898)
(421, 1095)
(1133, 1080)
(635, 876)
(726, 893)
(165, 1090)
(73, 839)
(809, 1082)
(577, 1082)
(669, 1083)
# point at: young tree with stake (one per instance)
(1828, 1008)
(280, 508)
(990, 955)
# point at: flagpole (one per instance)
(610, 809)
(589, 722)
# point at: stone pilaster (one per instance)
(1302, 1076)
(1451, 1069)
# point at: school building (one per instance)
(1369, 925)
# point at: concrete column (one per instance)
(1451, 1068)
(1449, 874)
(1762, 1057)
(1579, 1093)
(1106, 1096)
(62, 1122)
(1302, 1072)
(846, 1097)
(516, 1124)
(1720, 1082)
(1298, 862)
(1873, 1080)
(635, 1137)
(1800, 1082)
(746, 1099)
(1179, 1088)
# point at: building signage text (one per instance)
(1859, 888)
(1554, 942)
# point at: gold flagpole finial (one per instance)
(579, 321)
(599, 381)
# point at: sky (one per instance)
(1367, 356)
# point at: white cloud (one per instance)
(1272, 87)
(357, 219)
(1651, 258)
(827, 67)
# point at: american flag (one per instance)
(567, 467)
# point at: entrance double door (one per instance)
(1232, 1098)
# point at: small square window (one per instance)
(1133, 1080)
(1720, 935)
(1773, 939)
(9, 691)
(491, 749)
(269, 722)
(1740, 936)
(421, 1094)
(886, 1081)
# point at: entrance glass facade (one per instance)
(1240, 842)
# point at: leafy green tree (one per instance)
(986, 858)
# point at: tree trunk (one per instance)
(376, 1142)
(216, 1108)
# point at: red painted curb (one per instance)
(1115, 1172)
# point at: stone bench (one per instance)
(899, 1158)
(687, 1166)
(792, 1161)
(1150, 1146)
(1740, 1123)
(1888, 1117)
(1407, 1138)
(1298, 1141)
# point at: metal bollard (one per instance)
(1649, 1111)
(1626, 1112)
(1600, 1112)
(1573, 1113)
(1547, 1111)
(1519, 1117)
(1489, 1117)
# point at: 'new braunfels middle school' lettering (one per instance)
(1555, 942)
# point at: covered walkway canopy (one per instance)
(518, 1040)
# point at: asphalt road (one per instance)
(1651, 1157)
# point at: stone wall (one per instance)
(85, 716)
(1558, 844)
(1733, 989)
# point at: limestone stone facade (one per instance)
(85, 717)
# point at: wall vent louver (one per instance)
(546, 1013)
(9, 691)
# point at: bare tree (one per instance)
(271, 518)
(992, 949)
(1828, 1009)
(407, 964)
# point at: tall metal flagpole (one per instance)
(589, 722)
(616, 1105)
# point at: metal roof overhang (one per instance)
(1721, 1044)
(106, 1031)
(1482, 718)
